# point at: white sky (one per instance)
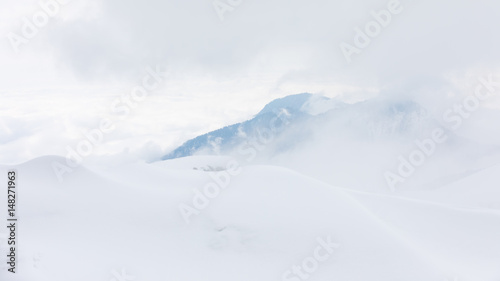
(63, 80)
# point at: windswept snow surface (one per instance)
(124, 223)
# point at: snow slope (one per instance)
(478, 189)
(268, 219)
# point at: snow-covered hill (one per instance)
(102, 222)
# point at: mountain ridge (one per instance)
(374, 118)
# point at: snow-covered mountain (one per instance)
(279, 113)
(365, 120)
(368, 137)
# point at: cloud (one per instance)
(426, 38)
(227, 70)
